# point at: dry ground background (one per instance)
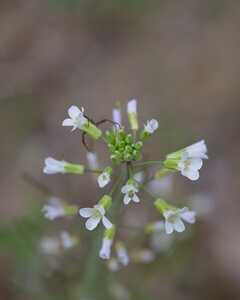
(179, 58)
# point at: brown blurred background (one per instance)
(180, 59)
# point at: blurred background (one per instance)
(180, 59)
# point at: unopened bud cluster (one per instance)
(122, 146)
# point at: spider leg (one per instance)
(84, 142)
(107, 121)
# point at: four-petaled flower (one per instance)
(173, 219)
(103, 179)
(95, 215)
(77, 118)
(130, 189)
(151, 126)
(53, 166)
(54, 209)
(191, 161)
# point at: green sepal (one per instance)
(110, 233)
(108, 170)
(161, 205)
(175, 155)
(163, 172)
(92, 130)
(106, 202)
(144, 135)
(74, 168)
(133, 121)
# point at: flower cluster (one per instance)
(122, 176)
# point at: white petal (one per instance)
(135, 198)
(125, 189)
(188, 216)
(103, 179)
(86, 212)
(67, 122)
(116, 114)
(107, 224)
(179, 225)
(49, 161)
(126, 199)
(105, 251)
(132, 106)
(168, 227)
(74, 112)
(196, 163)
(197, 150)
(151, 126)
(53, 166)
(47, 170)
(168, 213)
(92, 223)
(190, 174)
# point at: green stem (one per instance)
(147, 163)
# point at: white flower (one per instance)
(117, 117)
(49, 246)
(95, 215)
(122, 254)
(173, 219)
(105, 251)
(67, 240)
(151, 126)
(191, 161)
(130, 191)
(54, 209)
(77, 119)
(53, 166)
(132, 106)
(104, 179)
(93, 162)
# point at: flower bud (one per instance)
(132, 114)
